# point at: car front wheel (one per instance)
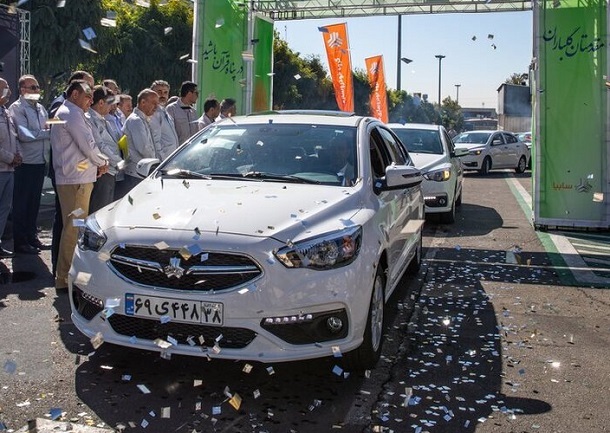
(486, 166)
(367, 355)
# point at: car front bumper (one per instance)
(282, 315)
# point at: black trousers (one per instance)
(26, 202)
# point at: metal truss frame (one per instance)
(24, 37)
(284, 10)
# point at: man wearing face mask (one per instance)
(33, 134)
(9, 159)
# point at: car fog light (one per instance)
(334, 324)
(442, 201)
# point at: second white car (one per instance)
(432, 151)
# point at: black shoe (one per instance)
(36, 243)
(6, 254)
(26, 249)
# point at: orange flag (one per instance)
(378, 98)
(337, 51)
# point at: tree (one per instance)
(451, 114)
(517, 78)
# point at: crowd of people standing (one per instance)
(88, 141)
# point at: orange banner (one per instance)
(337, 51)
(378, 98)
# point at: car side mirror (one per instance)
(459, 151)
(146, 166)
(496, 142)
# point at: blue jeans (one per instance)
(6, 196)
(26, 202)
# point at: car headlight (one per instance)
(328, 251)
(90, 236)
(476, 152)
(438, 175)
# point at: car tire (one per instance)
(522, 165)
(486, 166)
(367, 355)
(448, 217)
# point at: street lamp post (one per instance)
(457, 93)
(440, 57)
(398, 65)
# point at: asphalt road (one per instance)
(492, 336)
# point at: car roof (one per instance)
(316, 117)
(426, 126)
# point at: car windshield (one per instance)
(304, 153)
(472, 137)
(420, 140)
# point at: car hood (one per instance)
(265, 209)
(427, 161)
(469, 146)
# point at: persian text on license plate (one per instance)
(209, 313)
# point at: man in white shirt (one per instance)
(77, 162)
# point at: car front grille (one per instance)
(147, 329)
(178, 269)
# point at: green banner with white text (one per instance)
(572, 153)
(222, 70)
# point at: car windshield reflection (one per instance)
(275, 152)
(472, 137)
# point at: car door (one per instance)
(456, 163)
(400, 205)
(513, 150)
(498, 150)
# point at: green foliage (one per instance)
(299, 83)
(140, 50)
(451, 114)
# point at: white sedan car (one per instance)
(433, 152)
(271, 237)
(488, 150)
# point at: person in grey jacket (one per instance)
(78, 163)
(103, 189)
(183, 113)
(9, 159)
(162, 125)
(33, 134)
(140, 142)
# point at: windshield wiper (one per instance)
(283, 177)
(182, 173)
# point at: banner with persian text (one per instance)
(339, 63)
(222, 72)
(378, 98)
(571, 165)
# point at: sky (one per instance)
(475, 65)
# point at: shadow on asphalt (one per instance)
(308, 396)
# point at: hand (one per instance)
(102, 170)
(17, 160)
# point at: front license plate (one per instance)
(182, 310)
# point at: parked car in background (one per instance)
(271, 237)
(489, 150)
(432, 151)
(526, 137)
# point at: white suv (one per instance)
(271, 237)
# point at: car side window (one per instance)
(378, 163)
(495, 139)
(510, 138)
(449, 141)
(394, 148)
